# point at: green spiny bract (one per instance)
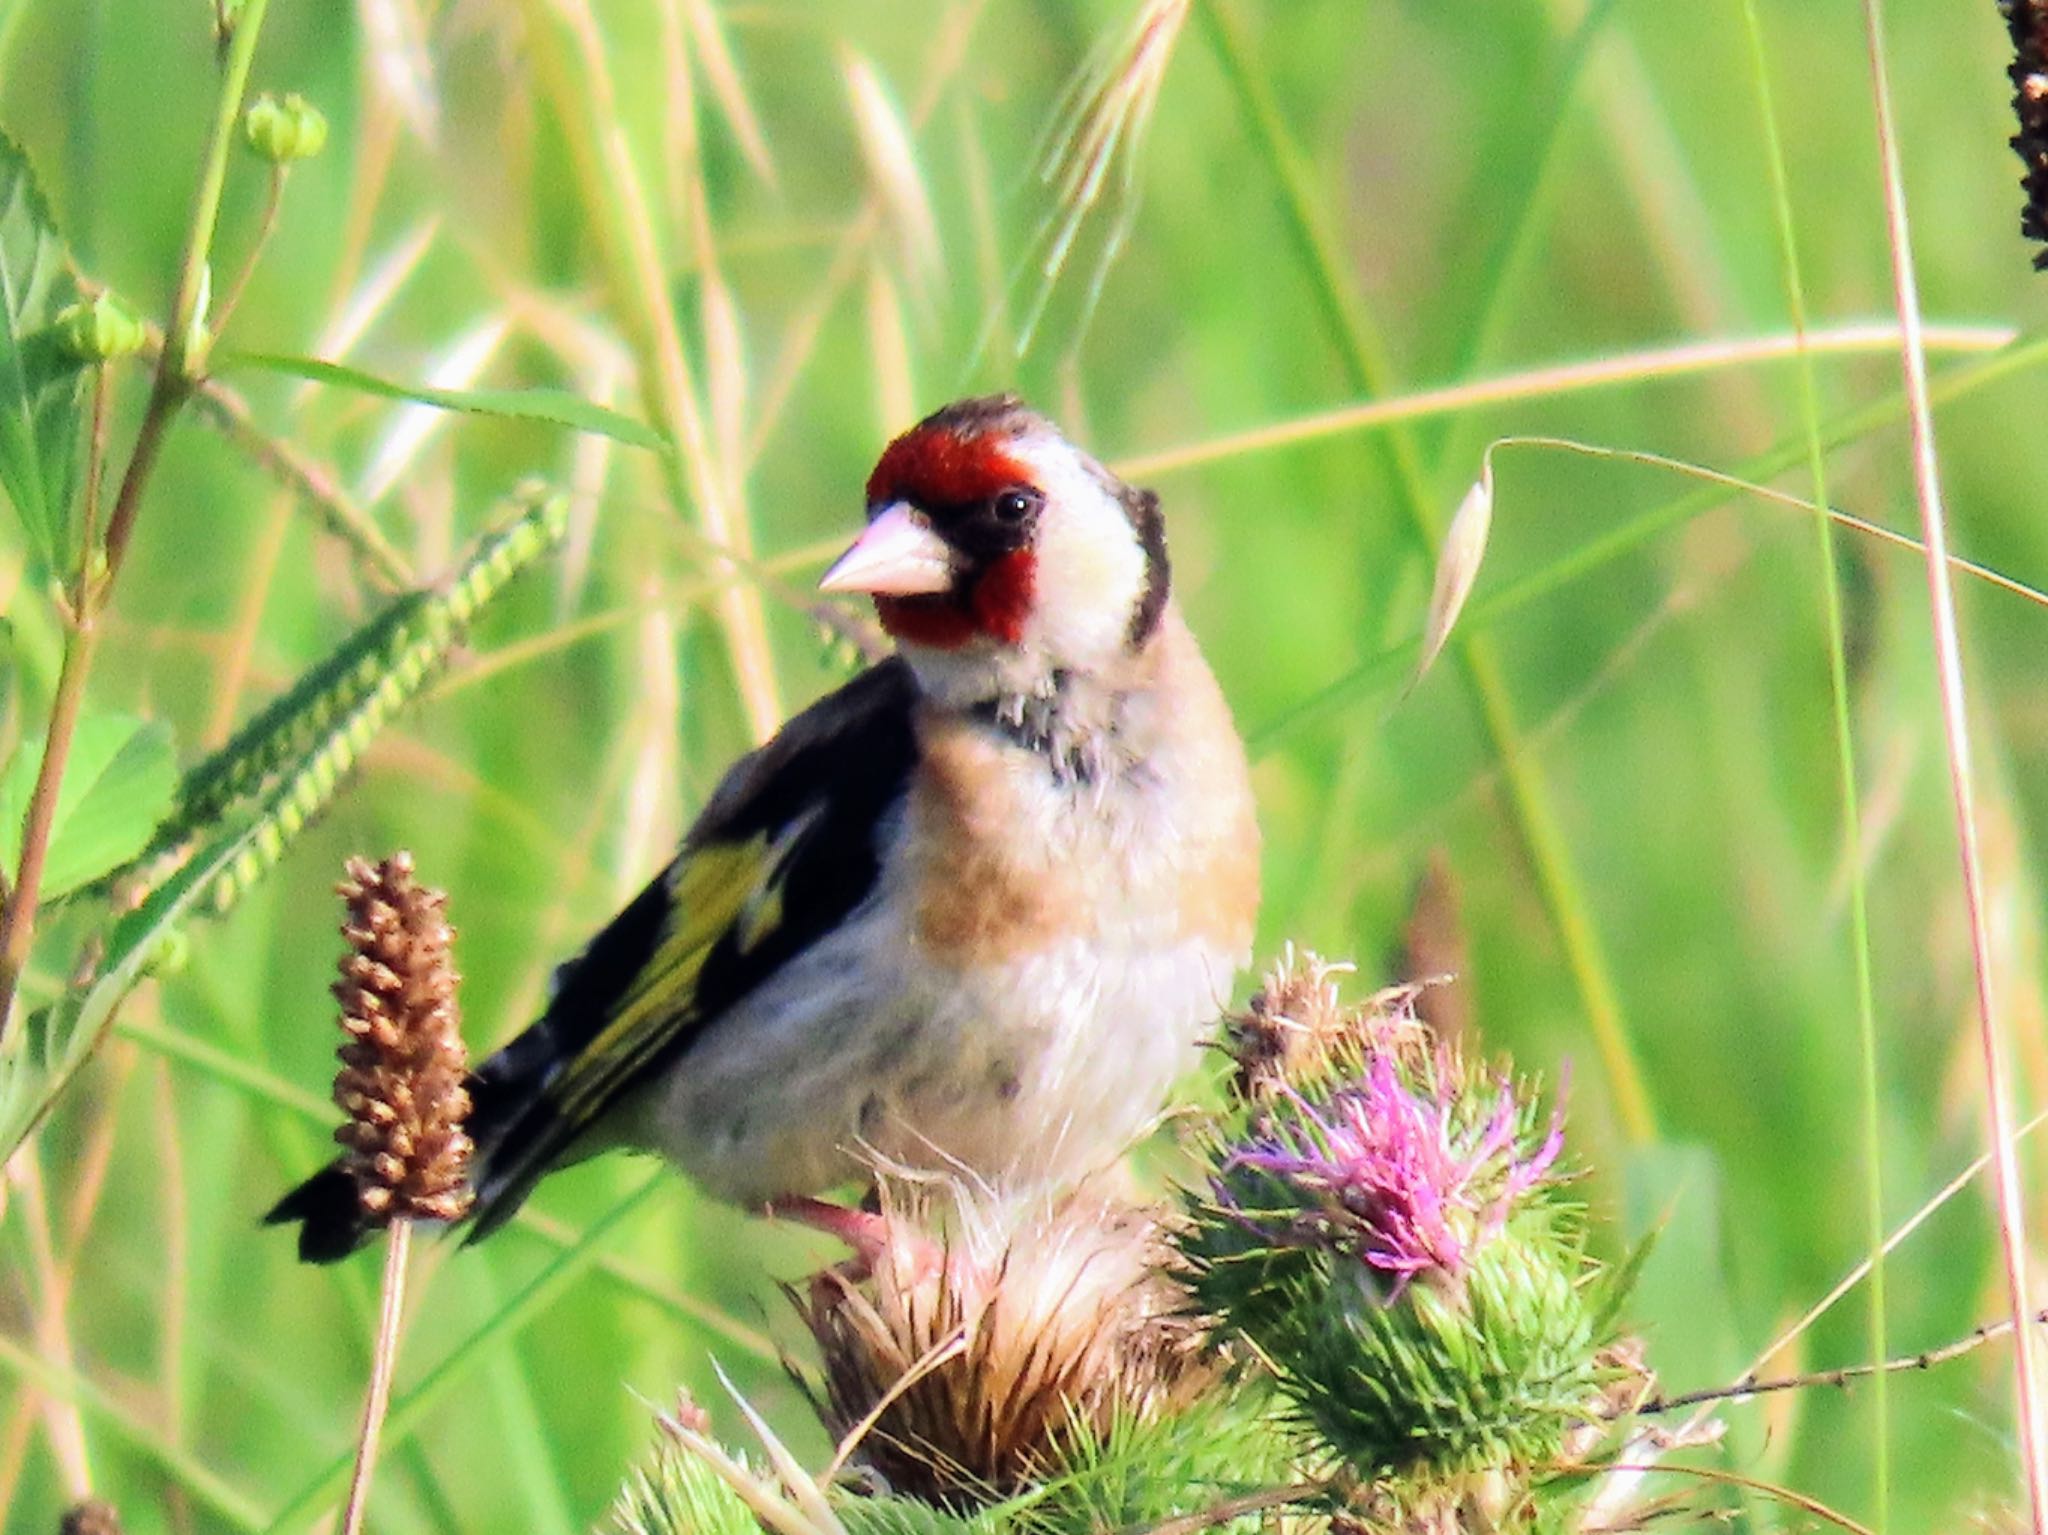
(1492, 1372)
(1384, 1223)
(678, 1493)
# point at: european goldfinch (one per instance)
(972, 912)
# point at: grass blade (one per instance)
(185, 1468)
(556, 407)
(526, 1305)
(1845, 765)
(1955, 722)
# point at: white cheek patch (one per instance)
(1091, 567)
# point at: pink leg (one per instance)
(866, 1232)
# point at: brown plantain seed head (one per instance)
(403, 1066)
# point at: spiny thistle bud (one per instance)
(989, 1362)
(282, 129)
(92, 1517)
(2028, 20)
(1298, 1030)
(99, 329)
(1388, 1229)
(403, 1064)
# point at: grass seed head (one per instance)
(2028, 20)
(403, 1066)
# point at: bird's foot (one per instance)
(874, 1238)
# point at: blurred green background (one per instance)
(1620, 808)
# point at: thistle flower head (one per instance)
(976, 1364)
(403, 1067)
(1383, 1222)
(1403, 1177)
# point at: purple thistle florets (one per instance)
(1397, 1176)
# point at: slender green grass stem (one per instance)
(569, 53)
(2005, 1170)
(383, 1359)
(1845, 761)
(184, 349)
(1564, 896)
(107, 1409)
(527, 1303)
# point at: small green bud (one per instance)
(284, 128)
(99, 329)
(173, 952)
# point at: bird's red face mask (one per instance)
(948, 550)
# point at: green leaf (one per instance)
(117, 785)
(40, 383)
(556, 406)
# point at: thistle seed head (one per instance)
(403, 1067)
(985, 1360)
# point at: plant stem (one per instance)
(1842, 1377)
(1529, 805)
(168, 390)
(398, 1245)
(1956, 732)
(273, 200)
(1851, 809)
(17, 921)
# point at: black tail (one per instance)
(502, 1093)
(518, 1136)
(331, 1218)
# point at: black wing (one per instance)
(801, 815)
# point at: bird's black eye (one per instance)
(1015, 506)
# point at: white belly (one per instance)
(1034, 1072)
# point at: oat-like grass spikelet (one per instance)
(891, 156)
(1093, 150)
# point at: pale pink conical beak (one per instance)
(898, 556)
